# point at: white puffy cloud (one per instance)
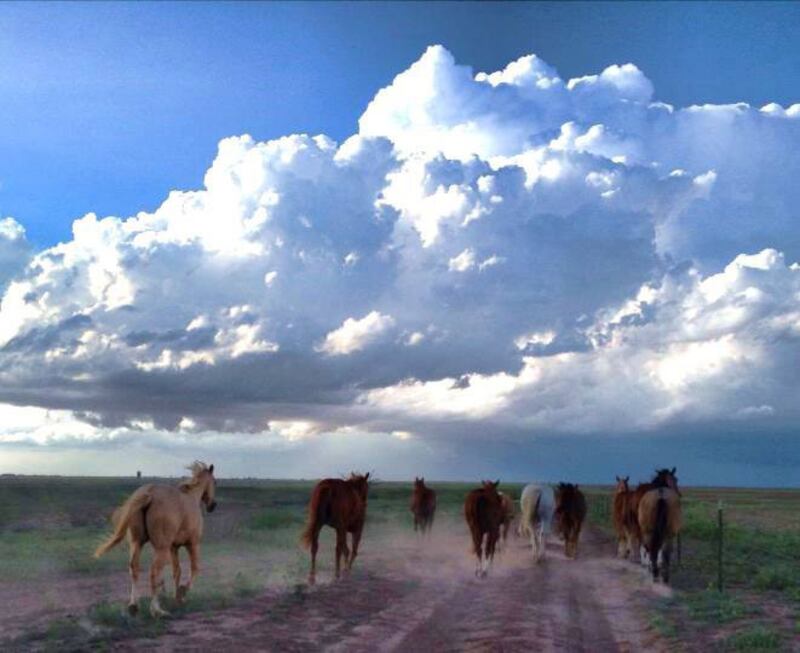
(14, 249)
(685, 348)
(507, 251)
(355, 334)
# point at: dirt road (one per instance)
(409, 594)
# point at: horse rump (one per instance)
(122, 518)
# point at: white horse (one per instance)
(537, 504)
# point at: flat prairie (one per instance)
(406, 592)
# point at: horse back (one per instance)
(336, 503)
(649, 506)
(171, 518)
(482, 512)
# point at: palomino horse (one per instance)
(342, 505)
(626, 521)
(508, 513)
(569, 515)
(168, 517)
(660, 520)
(483, 510)
(537, 506)
(663, 478)
(423, 505)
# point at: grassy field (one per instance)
(49, 527)
(759, 608)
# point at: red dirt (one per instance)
(410, 594)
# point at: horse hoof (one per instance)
(180, 593)
(133, 609)
(157, 613)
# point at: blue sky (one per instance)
(108, 106)
(516, 240)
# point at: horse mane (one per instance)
(568, 495)
(197, 468)
(660, 479)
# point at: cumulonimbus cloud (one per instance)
(508, 250)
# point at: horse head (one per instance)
(419, 483)
(666, 478)
(491, 485)
(361, 484)
(210, 489)
(622, 484)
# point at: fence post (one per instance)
(720, 579)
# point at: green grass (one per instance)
(761, 569)
(50, 526)
(715, 607)
(757, 638)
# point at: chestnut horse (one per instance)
(626, 521)
(660, 520)
(483, 510)
(342, 505)
(423, 505)
(663, 478)
(169, 518)
(569, 515)
(508, 513)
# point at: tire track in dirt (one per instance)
(410, 594)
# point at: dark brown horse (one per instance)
(569, 515)
(626, 521)
(508, 513)
(663, 478)
(342, 505)
(423, 505)
(483, 510)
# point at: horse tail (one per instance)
(660, 526)
(122, 519)
(307, 536)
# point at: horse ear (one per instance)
(673, 471)
(211, 468)
(497, 482)
(627, 478)
(366, 476)
(617, 477)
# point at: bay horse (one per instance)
(169, 518)
(626, 521)
(483, 510)
(507, 502)
(660, 520)
(423, 505)
(537, 505)
(569, 515)
(342, 505)
(663, 478)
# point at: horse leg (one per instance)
(491, 546)
(312, 574)
(176, 573)
(477, 544)
(655, 554)
(160, 559)
(133, 567)
(341, 547)
(666, 554)
(194, 569)
(354, 552)
(534, 543)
